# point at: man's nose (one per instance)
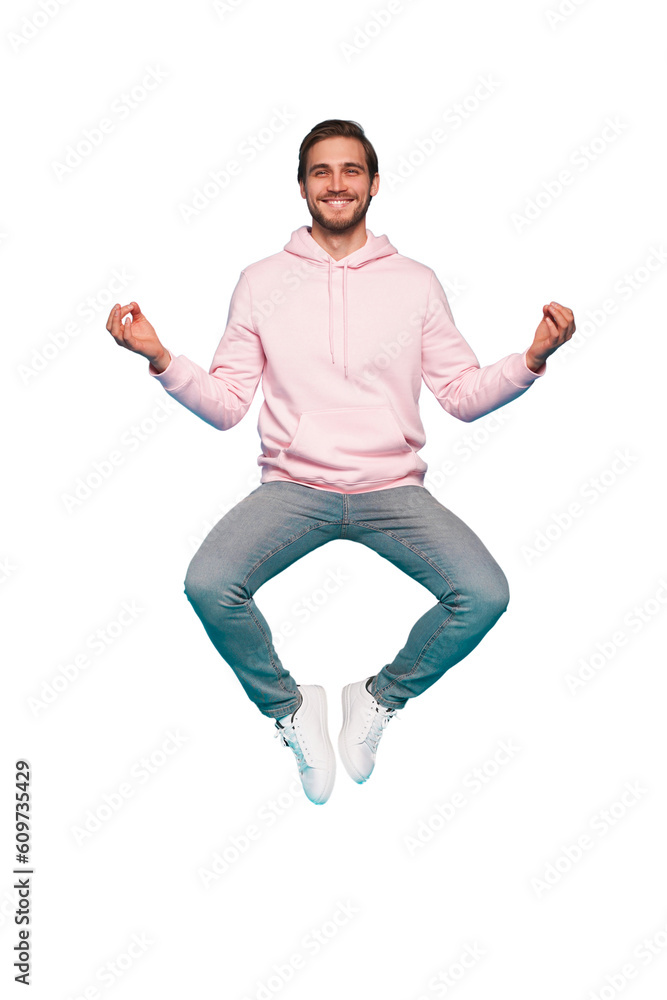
(337, 184)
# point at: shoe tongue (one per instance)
(286, 719)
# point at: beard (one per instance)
(342, 220)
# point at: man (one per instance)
(342, 329)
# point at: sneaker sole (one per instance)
(319, 696)
(346, 699)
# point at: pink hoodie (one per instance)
(341, 347)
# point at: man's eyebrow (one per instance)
(349, 163)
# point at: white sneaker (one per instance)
(364, 721)
(306, 732)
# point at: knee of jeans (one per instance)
(213, 591)
(496, 597)
(197, 584)
(192, 583)
(488, 598)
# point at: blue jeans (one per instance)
(279, 522)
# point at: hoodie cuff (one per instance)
(520, 374)
(174, 375)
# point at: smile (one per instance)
(338, 202)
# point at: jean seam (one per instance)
(457, 596)
(278, 548)
(266, 642)
(422, 652)
(407, 545)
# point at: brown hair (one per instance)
(332, 127)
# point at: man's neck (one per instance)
(339, 245)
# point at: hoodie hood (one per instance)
(302, 244)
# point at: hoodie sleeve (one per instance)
(452, 372)
(221, 396)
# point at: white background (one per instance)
(396, 915)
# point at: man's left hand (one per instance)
(556, 326)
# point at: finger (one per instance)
(118, 327)
(114, 325)
(553, 329)
(566, 313)
(555, 318)
(135, 310)
(552, 308)
(560, 334)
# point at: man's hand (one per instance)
(137, 335)
(556, 326)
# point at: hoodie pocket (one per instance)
(349, 446)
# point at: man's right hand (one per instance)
(129, 328)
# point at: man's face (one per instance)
(338, 189)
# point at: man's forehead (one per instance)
(350, 153)
(347, 148)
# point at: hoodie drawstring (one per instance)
(331, 340)
(303, 246)
(331, 347)
(345, 316)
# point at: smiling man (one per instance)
(351, 330)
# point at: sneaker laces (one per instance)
(285, 732)
(378, 726)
